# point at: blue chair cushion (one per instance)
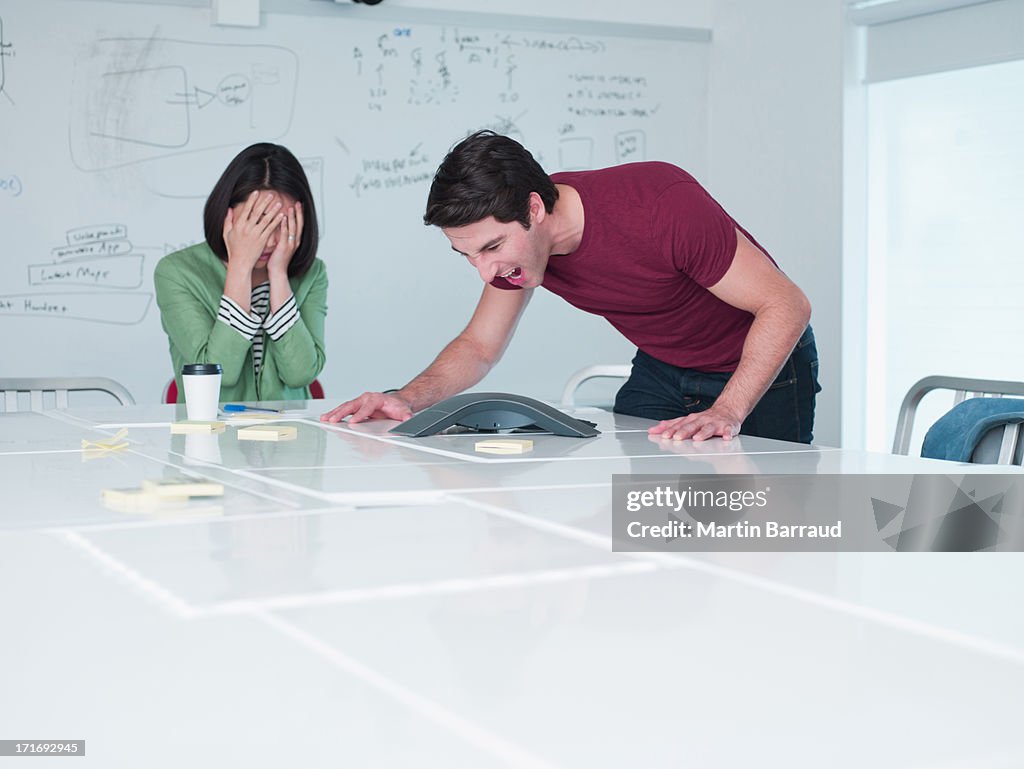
(957, 433)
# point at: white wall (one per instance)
(682, 13)
(776, 105)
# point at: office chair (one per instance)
(985, 431)
(38, 387)
(316, 391)
(607, 371)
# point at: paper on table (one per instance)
(184, 487)
(267, 433)
(115, 442)
(511, 446)
(196, 426)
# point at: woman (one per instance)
(253, 296)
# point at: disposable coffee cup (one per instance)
(202, 390)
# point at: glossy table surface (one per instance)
(359, 599)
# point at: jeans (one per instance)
(658, 390)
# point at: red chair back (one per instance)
(316, 391)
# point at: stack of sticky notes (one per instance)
(131, 500)
(509, 446)
(267, 433)
(184, 487)
(195, 426)
(94, 449)
(155, 496)
(251, 416)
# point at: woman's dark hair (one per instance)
(487, 174)
(263, 167)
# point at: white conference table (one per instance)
(362, 600)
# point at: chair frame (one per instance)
(60, 387)
(962, 387)
(609, 371)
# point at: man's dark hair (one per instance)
(263, 167)
(487, 174)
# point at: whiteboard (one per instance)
(116, 120)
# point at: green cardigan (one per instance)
(189, 284)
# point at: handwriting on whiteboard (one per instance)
(6, 52)
(119, 308)
(441, 67)
(97, 256)
(388, 173)
(11, 186)
(112, 272)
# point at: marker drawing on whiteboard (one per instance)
(97, 256)
(6, 52)
(10, 186)
(388, 173)
(118, 308)
(176, 96)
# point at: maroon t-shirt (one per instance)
(653, 242)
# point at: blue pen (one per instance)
(241, 407)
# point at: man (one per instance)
(722, 333)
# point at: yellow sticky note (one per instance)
(510, 446)
(252, 416)
(193, 426)
(184, 487)
(131, 500)
(93, 449)
(267, 433)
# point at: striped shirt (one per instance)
(259, 323)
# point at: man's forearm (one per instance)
(461, 364)
(769, 343)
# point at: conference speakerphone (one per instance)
(494, 412)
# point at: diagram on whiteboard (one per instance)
(630, 146)
(99, 257)
(108, 307)
(6, 52)
(139, 99)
